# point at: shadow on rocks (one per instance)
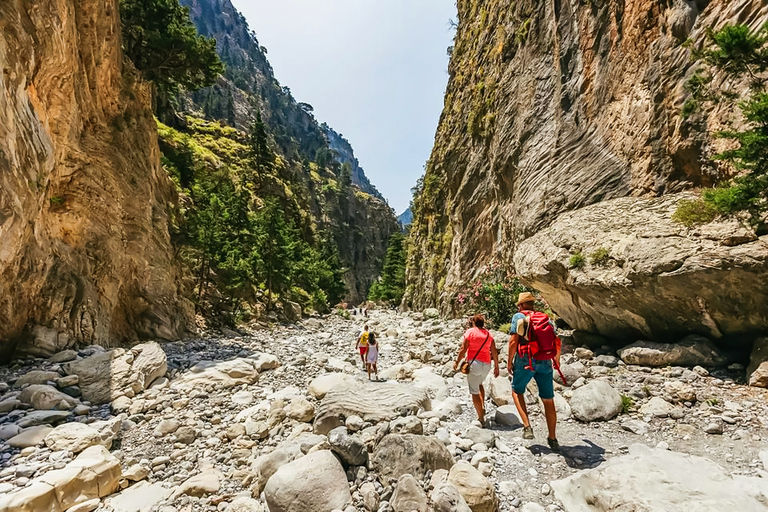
(585, 456)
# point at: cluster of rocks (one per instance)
(285, 419)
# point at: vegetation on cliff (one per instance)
(737, 56)
(391, 285)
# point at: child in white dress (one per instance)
(372, 356)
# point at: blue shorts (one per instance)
(542, 372)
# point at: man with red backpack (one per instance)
(534, 350)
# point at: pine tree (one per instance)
(391, 286)
(261, 154)
(740, 56)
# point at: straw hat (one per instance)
(525, 297)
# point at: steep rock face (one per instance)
(85, 255)
(346, 155)
(551, 107)
(361, 220)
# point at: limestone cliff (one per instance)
(555, 106)
(85, 255)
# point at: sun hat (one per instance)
(525, 297)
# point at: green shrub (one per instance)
(600, 256)
(57, 200)
(626, 403)
(505, 327)
(577, 260)
(692, 212)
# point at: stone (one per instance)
(657, 480)
(186, 435)
(691, 351)
(680, 391)
(263, 361)
(373, 402)
(36, 377)
(508, 416)
(398, 454)
(105, 376)
(235, 430)
(409, 496)
(350, 449)
(140, 497)
(476, 489)
(35, 418)
(715, 427)
(245, 504)
(596, 401)
(267, 465)
(757, 371)
(406, 425)
(301, 410)
(44, 397)
(354, 423)
(431, 313)
(242, 398)
(86, 506)
(446, 498)
(656, 407)
(320, 386)
(31, 436)
(258, 429)
(499, 389)
(219, 374)
(636, 427)
(480, 435)
(63, 356)
(74, 437)
(571, 373)
(370, 496)
(10, 404)
(8, 431)
(137, 472)
(207, 482)
(69, 380)
(583, 353)
(167, 427)
(313, 483)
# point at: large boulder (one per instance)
(757, 371)
(350, 449)
(658, 279)
(656, 480)
(409, 496)
(37, 377)
(371, 402)
(398, 454)
(95, 473)
(267, 465)
(596, 401)
(313, 483)
(44, 397)
(75, 437)
(477, 490)
(446, 498)
(320, 386)
(499, 389)
(692, 351)
(105, 376)
(219, 374)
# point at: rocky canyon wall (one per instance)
(555, 106)
(85, 255)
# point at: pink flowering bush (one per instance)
(494, 294)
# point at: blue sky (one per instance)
(374, 70)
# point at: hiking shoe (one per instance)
(553, 445)
(527, 433)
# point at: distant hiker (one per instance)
(477, 343)
(362, 344)
(534, 349)
(372, 357)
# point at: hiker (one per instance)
(362, 344)
(372, 357)
(478, 344)
(534, 349)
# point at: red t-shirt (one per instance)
(476, 337)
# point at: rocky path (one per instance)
(234, 423)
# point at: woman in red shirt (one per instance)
(479, 348)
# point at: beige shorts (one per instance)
(477, 373)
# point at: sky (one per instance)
(374, 70)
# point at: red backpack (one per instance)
(541, 340)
